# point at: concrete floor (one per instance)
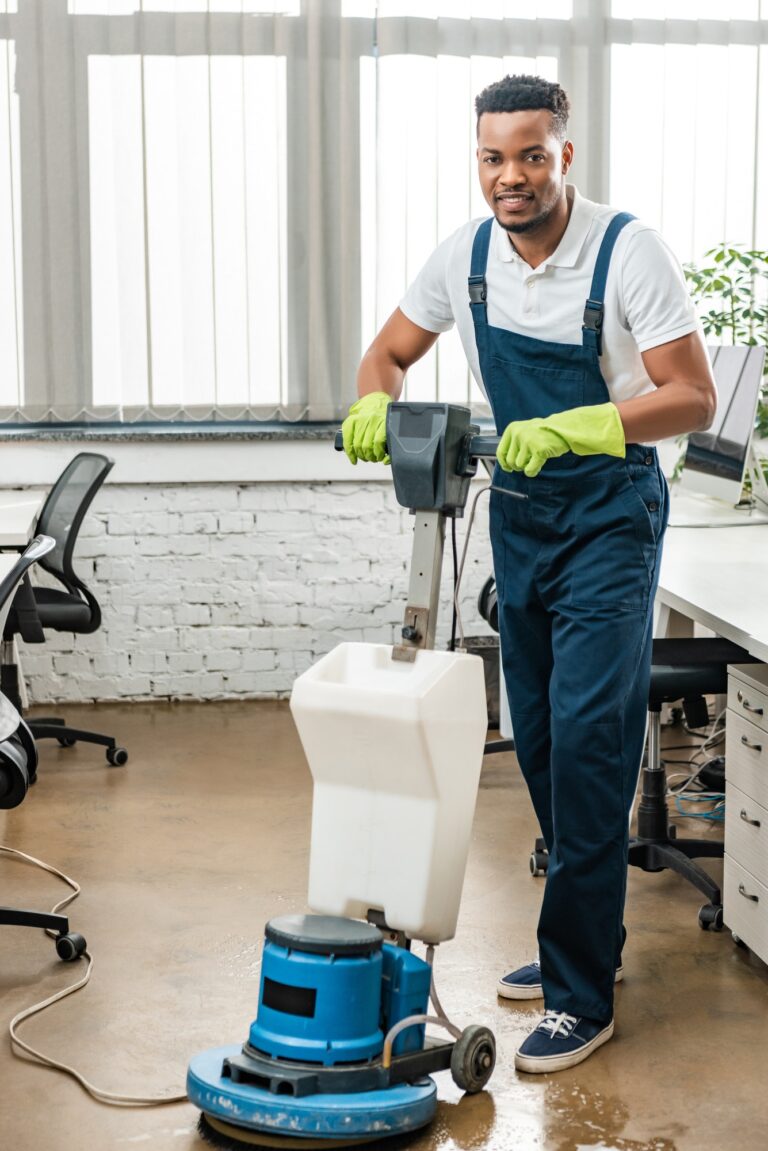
(185, 853)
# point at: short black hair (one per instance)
(526, 94)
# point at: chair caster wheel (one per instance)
(711, 917)
(539, 861)
(66, 741)
(117, 756)
(739, 941)
(70, 946)
(473, 1058)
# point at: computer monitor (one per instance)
(716, 460)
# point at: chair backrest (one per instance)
(64, 510)
(40, 546)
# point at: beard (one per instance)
(536, 222)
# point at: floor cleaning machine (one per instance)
(338, 1053)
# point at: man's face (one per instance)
(522, 167)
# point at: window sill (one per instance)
(214, 453)
(209, 430)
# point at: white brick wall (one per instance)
(215, 591)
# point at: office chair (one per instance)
(683, 669)
(71, 608)
(18, 765)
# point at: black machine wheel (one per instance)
(117, 756)
(739, 941)
(473, 1058)
(66, 741)
(711, 917)
(70, 946)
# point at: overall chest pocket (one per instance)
(522, 391)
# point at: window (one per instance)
(207, 207)
(187, 193)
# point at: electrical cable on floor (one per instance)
(102, 1096)
(682, 793)
(717, 813)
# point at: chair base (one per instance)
(16, 917)
(677, 855)
(51, 727)
(70, 945)
(656, 846)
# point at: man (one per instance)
(576, 321)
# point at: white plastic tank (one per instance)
(395, 750)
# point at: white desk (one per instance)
(18, 516)
(717, 577)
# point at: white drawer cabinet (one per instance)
(746, 831)
(745, 907)
(745, 876)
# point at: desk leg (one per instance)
(671, 624)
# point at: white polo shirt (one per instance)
(646, 299)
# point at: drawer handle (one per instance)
(754, 746)
(745, 817)
(743, 891)
(746, 704)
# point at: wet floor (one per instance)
(184, 854)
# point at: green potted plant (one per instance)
(730, 290)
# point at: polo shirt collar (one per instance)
(567, 252)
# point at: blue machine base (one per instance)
(392, 1111)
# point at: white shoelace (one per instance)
(558, 1022)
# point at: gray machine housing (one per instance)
(431, 464)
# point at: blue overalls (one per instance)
(576, 566)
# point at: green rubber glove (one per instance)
(526, 445)
(365, 429)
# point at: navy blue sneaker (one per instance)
(561, 1041)
(525, 983)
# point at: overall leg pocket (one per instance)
(614, 554)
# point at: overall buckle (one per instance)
(593, 321)
(478, 290)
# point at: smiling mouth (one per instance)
(514, 202)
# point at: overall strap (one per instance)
(476, 283)
(592, 327)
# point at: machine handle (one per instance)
(743, 891)
(743, 815)
(753, 746)
(747, 705)
(479, 446)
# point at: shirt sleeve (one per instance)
(657, 305)
(427, 301)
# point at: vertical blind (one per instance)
(208, 207)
